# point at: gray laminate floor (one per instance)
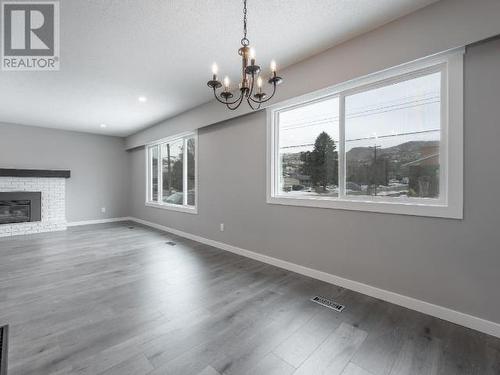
(108, 299)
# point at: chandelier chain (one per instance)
(245, 41)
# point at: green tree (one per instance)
(177, 169)
(321, 164)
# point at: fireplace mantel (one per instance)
(54, 173)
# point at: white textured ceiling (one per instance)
(113, 51)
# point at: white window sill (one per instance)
(429, 208)
(173, 207)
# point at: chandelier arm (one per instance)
(251, 105)
(240, 100)
(223, 101)
(265, 100)
(272, 95)
(219, 100)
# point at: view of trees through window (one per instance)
(154, 155)
(172, 172)
(308, 149)
(177, 182)
(392, 143)
(191, 177)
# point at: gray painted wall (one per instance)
(98, 166)
(452, 263)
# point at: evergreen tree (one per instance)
(321, 164)
(177, 170)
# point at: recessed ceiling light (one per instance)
(142, 99)
(103, 126)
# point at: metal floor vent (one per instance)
(171, 243)
(331, 304)
(4, 330)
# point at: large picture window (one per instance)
(171, 180)
(391, 142)
(392, 139)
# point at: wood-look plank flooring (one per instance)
(117, 299)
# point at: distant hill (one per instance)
(398, 155)
(406, 151)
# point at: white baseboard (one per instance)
(98, 221)
(437, 311)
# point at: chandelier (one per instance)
(250, 75)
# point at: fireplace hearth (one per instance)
(20, 207)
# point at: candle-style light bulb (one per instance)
(215, 70)
(259, 84)
(252, 56)
(226, 83)
(273, 66)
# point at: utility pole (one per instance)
(375, 167)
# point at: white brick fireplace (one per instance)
(53, 204)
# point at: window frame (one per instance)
(149, 186)
(450, 201)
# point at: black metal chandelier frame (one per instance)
(250, 75)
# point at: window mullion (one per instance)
(160, 174)
(184, 172)
(342, 161)
(278, 174)
(443, 154)
(150, 174)
(149, 171)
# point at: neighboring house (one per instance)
(424, 173)
(296, 180)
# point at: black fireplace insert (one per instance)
(4, 348)
(20, 206)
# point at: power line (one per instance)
(365, 138)
(367, 112)
(391, 110)
(374, 108)
(393, 135)
(429, 96)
